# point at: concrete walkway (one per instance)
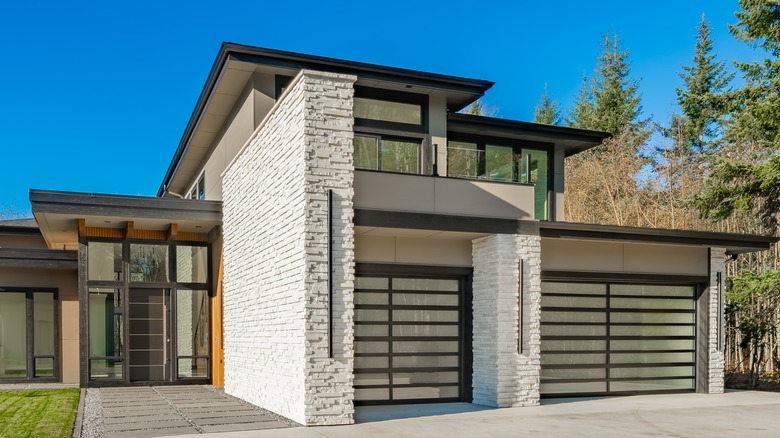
(177, 410)
(734, 414)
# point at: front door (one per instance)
(149, 340)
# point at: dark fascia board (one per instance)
(296, 60)
(90, 204)
(734, 243)
(443, 222)
(38, 258)
(584, 139)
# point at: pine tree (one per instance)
(616, 95)
(749, 179)
(701, 99)
(547, 110)
(581, 113)
(477, 108)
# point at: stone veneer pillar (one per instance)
(275, 216)
(715, 323)
(505, 374)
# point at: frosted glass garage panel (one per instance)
(574, 288)
(371, 283)
(573, 316)
(574, 330)
(653, 290)
(426, 284)
(651, 317)
(573, 387)
(653, 385)
(573, 301)
(421, 299)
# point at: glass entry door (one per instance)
(149, 338)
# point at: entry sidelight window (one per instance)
(28, 327)
(148, 311)
(192, 332)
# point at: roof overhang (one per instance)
(58, 214)
(573, 140)
(733, 243)
(234, 66)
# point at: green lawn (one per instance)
(38, 413)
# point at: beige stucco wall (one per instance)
(67, 284)
(413, 251)
(423, 194)
(601, 256)
(255, 101)
(22, 242)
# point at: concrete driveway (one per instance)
(734, 414)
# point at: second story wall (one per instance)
(255, 101)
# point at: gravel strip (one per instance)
(92, 425)
(273, 415)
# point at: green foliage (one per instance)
(751, 304)
(742, 187)
(701, 100)
(547, 110)
(477, 108)
(610, 101)
(749, 182)
(40, 413)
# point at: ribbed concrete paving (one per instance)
(177, 410)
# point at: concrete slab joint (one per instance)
(275, 210)
(505, 372)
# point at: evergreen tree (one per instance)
(700, 99)
(749, 180)
(477, 108)
(581, 114)
(615, 94)
(547, 110)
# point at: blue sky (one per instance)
(94, 96)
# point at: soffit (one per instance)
(58, 214)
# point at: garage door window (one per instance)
(603, 338)
(408, 339)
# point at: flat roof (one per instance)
(467, 90)
(57, 214)
(574, 140)
(733, 242)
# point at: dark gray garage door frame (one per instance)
(464, 338)
(698, 329)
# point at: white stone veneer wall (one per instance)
(716, 314)
(275, 256)
(502, 376)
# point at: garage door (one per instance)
(409, 343)
(602, 338)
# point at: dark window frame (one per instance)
(465, 275)
(30, 335)
(517, 146)
(397, 97)
(401, 137)
(699, 285)
(170, 287)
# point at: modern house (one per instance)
(332, 233)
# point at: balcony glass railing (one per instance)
(393, 155)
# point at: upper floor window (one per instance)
(390, 110)
(505, 162)
(398, 112)
(390, 154)
(199, 189)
